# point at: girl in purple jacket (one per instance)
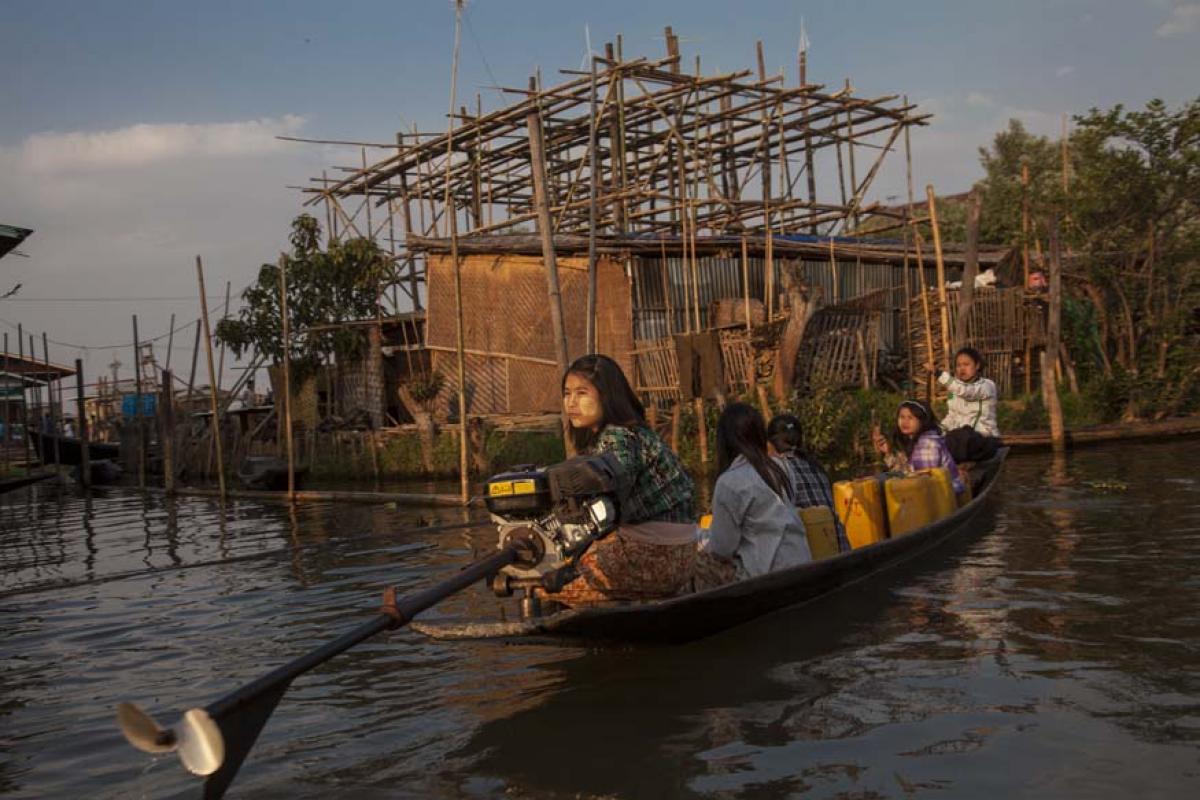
(917, 443)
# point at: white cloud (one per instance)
(1063, 71)
(139, 145)
(1184, 19)
(979, 100)
(123, 213)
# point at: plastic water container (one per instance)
(945, 501)
(912, 502)
(821, 531)
(859, 505)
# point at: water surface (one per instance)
(1053, 652)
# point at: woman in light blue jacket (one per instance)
(755, 527)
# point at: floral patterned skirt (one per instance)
(619, 568)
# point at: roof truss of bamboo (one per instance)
(675, 154)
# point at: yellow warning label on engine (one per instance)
(507, 488)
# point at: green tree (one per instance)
(325, 288)
(1130, 221)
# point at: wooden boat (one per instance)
(267, 473)
(70, 449)
(694, 616)
(1117, 432)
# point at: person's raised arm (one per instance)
(976, 390)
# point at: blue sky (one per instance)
(138, 134)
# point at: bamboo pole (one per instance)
(166, 409)
(85, 455)
(452, 213)
(170, 340)
(192, 374)
(285, 327)
(702, 429)
(1025, 233)
(54, 421)
(592, 189)
(1053, 341)
(137, 408)
(212, 380)
(25, 405)
(941, 274)
(925, 309)
(221, 361)
(746, 282)
(966, 294)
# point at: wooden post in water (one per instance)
(287, 378)
(212, 379)
(58, 429)
(137, 407)
(166, 411)
(28, 447)
(85, 456)
(1053, 341)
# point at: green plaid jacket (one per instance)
(660, 488)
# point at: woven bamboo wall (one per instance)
(840, 347)
(510, 365)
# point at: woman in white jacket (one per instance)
(970, 422)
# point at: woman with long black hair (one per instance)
(652, 554)
(755, 528)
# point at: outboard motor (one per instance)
(553, 514)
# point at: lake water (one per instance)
(1053, 652)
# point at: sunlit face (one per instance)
(907, 422)
(581, 402)
(965, 368)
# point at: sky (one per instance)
(136, 135)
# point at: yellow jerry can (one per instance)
(944, 499)
(911, 502)
(859, 505)
(821, 531)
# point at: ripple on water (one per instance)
(1052, 655)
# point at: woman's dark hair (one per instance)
(973, 354)
(741, 432)
(619, 405)
(785, 432)
(928, 422)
